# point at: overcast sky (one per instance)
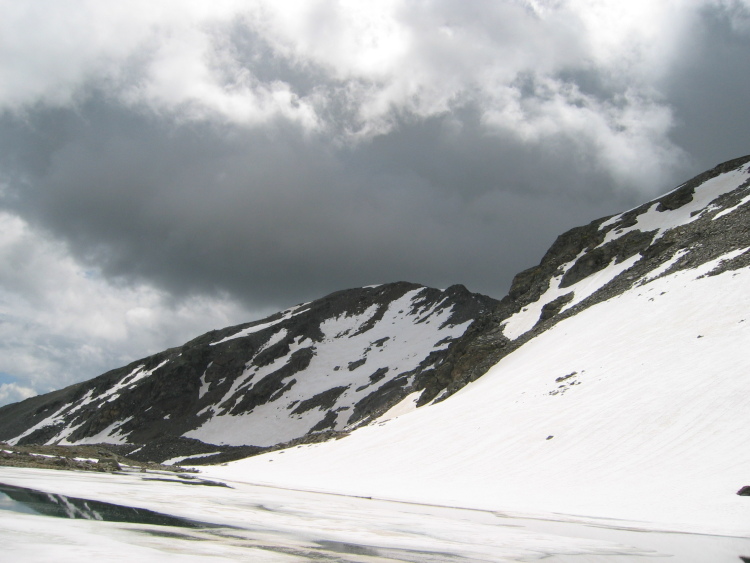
(169, 167)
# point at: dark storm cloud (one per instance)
(279, 213)
(195, 165)
(280, 216)
(709, 87)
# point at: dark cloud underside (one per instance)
(278, 215)
(243, 157)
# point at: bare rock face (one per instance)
(700, 221)
(311, 372)
(317, 370)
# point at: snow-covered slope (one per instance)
(625, 394)
(617, 381)
(308, 372)
(698, 221)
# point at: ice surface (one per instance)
(278, 525)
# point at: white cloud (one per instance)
(61, 323)
(373, 61)
(639, 38)
(12, 392)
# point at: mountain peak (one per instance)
(314, 370)
(321, 369)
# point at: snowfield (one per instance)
(618, 435)
(637, 408)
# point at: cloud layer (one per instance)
(209, 161)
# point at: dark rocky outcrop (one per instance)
(699, 241)
(153, 404)
(278, 364)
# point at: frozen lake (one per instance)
(159, 517)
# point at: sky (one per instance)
(171, 167)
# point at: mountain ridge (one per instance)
(167, 403)
(702, 220)
(625, 394)
(583, 251)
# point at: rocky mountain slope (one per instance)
(320, 369)
(626, 393)
(308, 373)
(705, 219)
